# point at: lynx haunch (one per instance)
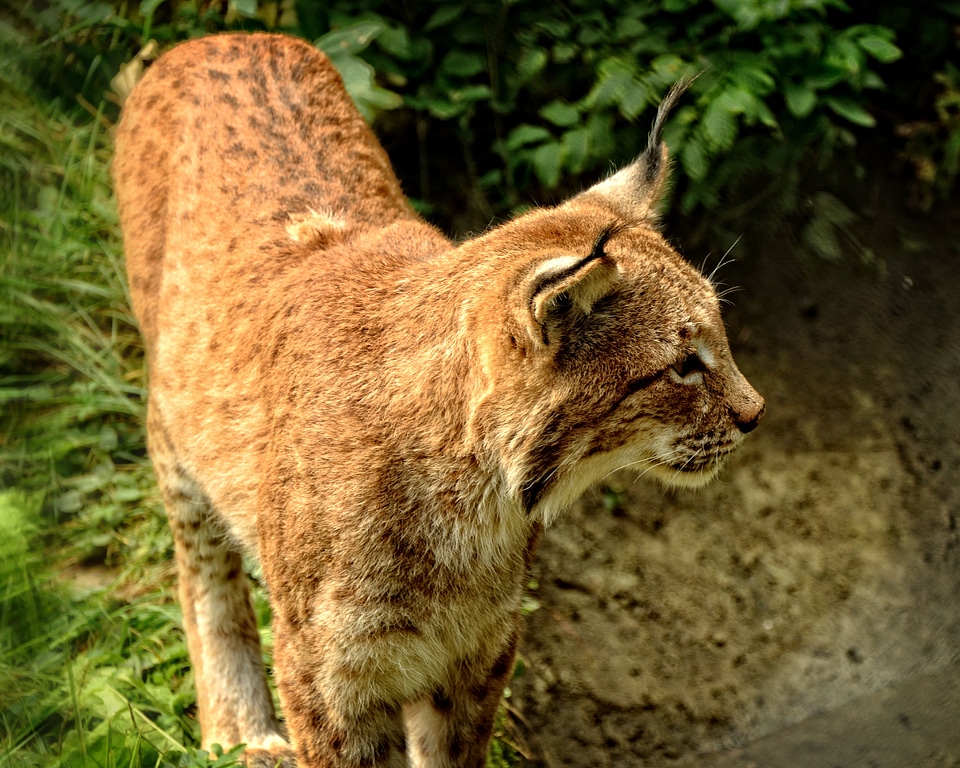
(385, 419)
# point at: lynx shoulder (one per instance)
(386, 419)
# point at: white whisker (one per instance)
(724, 261)
(692, 457)
(722, 294)
(654, 462)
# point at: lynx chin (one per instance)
(386, 419)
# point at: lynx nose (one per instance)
(745, 405)
(748, 415)
(748, 422)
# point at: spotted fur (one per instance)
(386, 420)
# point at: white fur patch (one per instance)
(314, 226)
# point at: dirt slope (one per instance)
(822, 569)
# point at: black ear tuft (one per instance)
(653, 157)
(635, 192)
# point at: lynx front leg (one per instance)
(336, 713)
(452, 728)
(233, 698)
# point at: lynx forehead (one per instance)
(386, 419)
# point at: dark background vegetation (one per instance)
(487, 106)
(802, 110)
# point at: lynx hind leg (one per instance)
(452, 728)
(233, 698)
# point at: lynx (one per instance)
(385, 419)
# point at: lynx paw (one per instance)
(274, 751)
(268, 758)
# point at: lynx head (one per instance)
(601, 347)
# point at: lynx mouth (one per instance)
(693, 472)
(691, 476)
(694, 466)
(701, 465)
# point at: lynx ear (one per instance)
(636, 190)
(560, 288)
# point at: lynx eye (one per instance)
(690, 365)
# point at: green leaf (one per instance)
(821, 237)
(766, 117)
(443, 16)
(747, 15)
(873, 80)
(832, 209)
(525, 134)
(18, 513)
(615, 77)
(720, 125)
(463, 64)
(847, 54)
(633, 100)
(558, 30)
(108, 439)
(396, 42)
(563, 52)
(560, 113)
(350, 40)
(491, 178)
(546, 163)
(342, 46)
(825, 76)
(147, 7)
(444, 109)
(531, 64)
(358, 79)
(668, 68)
(629, 29)
(468, 35)
(470, 93)
(694, 159)
(590, 37)
(739, 101)
(850, 110)
(881, 49)
(576, 148)
(128, 494)
(245, 8)
(600, 128)
(751, 76)
(800, 99)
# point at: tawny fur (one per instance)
(385, 419)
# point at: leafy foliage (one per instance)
(925, 95)
(82, 680)
(70, 357)
(86, 679)
(545, 93)
(508, 102)
(933, 145)
(535, 95)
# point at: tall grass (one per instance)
(93, 665)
